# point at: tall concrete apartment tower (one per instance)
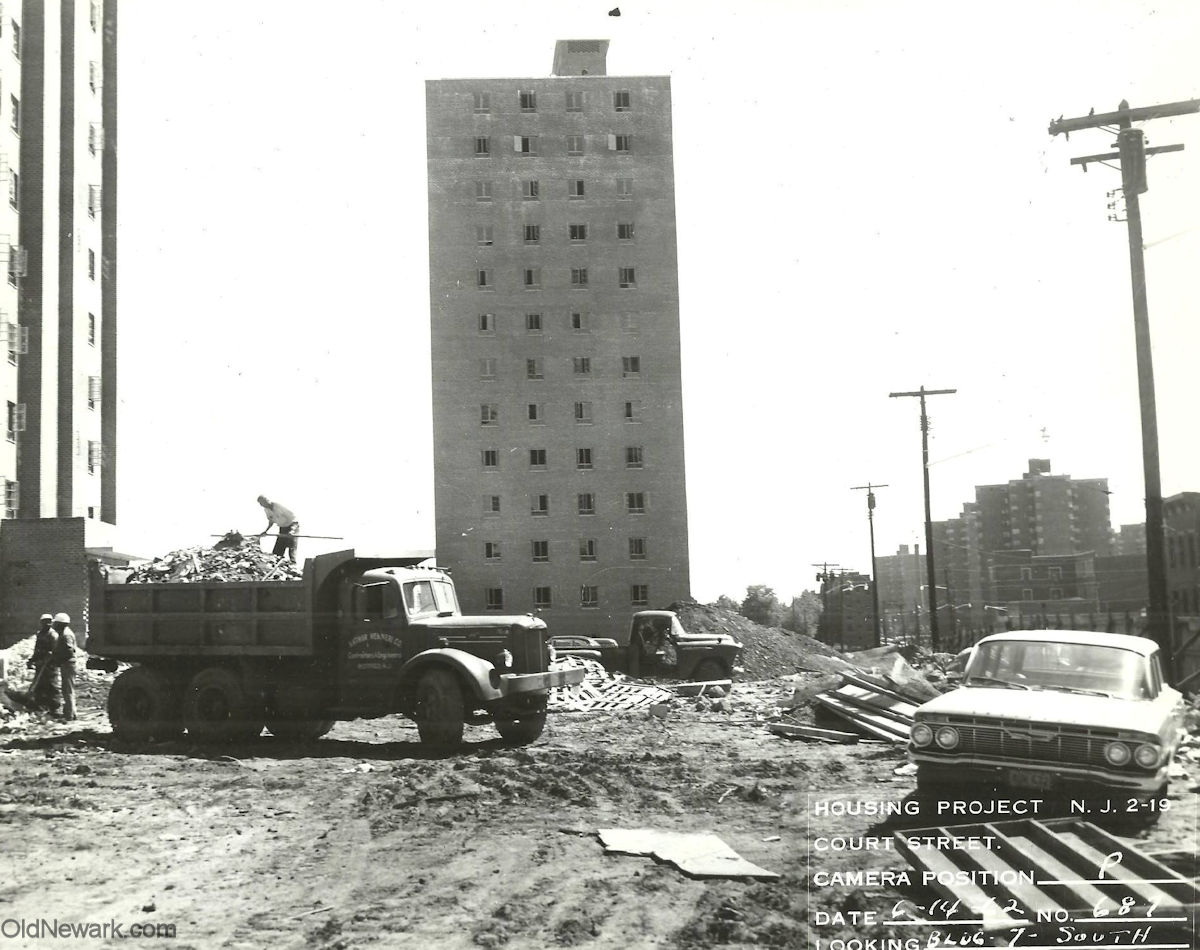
(557, 410)
(58, 322)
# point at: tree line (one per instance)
(763, 606)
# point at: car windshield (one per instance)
(1071, 667)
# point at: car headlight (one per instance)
(1147, 755)
(1117, 753)
(921, 735)
(947, 737)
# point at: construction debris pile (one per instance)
(233, 558)
(601, 691)
(769, 651)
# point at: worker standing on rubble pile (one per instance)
(63, 658)
(45, 689)
(277, 514)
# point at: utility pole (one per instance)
(1131, 158)
(934, 640)
(874, 568)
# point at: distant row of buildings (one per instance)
(1038, 550)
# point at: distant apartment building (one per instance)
(1181, 521)
(1045, 513)
(1130, 539)
(847, 611)
(902, 601)
(58, 315)
(961, 569)
(1051, 588)
(558, 417)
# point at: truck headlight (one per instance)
(1147, 755)
(1117, 753)
(947, 737)
(504, 659)
(921, 735)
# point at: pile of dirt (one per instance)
(769, 651)
(233, 558)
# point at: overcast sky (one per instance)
(868, 201)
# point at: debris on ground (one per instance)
(233, 558)
(870, 709)
(696, 854)
(768, 651)
(600, 690)
(813, 733)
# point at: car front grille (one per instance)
(1029, 742)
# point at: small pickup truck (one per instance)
(355, 638)
(657, 645)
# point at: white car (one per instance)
(1050, 712)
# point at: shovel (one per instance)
(27, 698)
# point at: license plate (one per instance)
(1040, 781)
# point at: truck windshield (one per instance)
(418, 598)
(1071, 667)
(428, 598)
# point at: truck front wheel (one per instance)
(438, 710)
(144, 704)
(216, 707)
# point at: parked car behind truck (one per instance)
(354, 638)
(657, 644)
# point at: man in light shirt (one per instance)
(281, 517)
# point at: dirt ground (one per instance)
(366, 838)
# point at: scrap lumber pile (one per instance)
(601, 691)
(233, 558)
(875, 698)
(870, 708)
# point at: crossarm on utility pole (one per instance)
(1123, 116)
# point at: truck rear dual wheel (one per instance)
(217, 707)
(144, 704)
(438, 710)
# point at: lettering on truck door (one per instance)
(373, 645)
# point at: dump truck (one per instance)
(354, 638)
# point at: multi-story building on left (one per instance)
(58, 319)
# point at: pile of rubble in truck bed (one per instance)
(233, 558)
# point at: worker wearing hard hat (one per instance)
(45, 677)
(63, 658)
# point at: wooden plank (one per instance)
(873, 725)
(811, 732)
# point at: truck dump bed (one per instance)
(218, 618)
(248, 618)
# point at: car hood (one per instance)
(722, 639)
(1069, 709)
